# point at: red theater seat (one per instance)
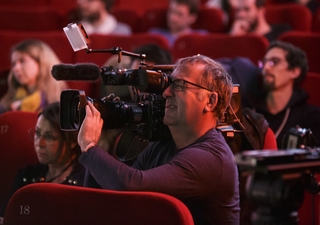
(30, 19)
(316, 21)
(24, 3)
(298, 16)
(140, 6)
(210, 19)
(270, 141)
(56, 39)
(63, 6)
(311, 84)
(53, 204)
(16, 149)
(309, 42)
(221, 45)
(129, 16)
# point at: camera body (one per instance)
(144, 116)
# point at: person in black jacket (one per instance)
(284, 103)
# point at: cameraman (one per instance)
(195, 165)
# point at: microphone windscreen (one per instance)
(61, 71)
(84, 71)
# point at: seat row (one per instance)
(53, 204)
(213, 45)
(212, 19)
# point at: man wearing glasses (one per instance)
(195, 164)
(284, 103)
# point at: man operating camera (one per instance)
(195, 164)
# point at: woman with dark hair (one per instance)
(57, 152)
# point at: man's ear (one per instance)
(296, 72)
(262, 12)
(212, 101)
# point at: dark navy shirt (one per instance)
(203, 175)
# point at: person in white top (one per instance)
(97, 19)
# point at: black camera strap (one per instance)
(129, 146)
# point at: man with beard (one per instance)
(250, 18)
(96, 18)
(284, 103)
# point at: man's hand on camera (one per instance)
(109, 137)
(90, 130)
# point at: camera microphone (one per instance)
(80, 71)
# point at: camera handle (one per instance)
(118, 51)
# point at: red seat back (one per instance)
(24, 3)
(56, 39)
(220, 45)
(270, 141)
(17, 149)
(140, 6)
(298, 16)
(30, 19)
(54, 204)
(307, 41)
(316, 21)
(311, 84)
(128, 16)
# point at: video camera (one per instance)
(144, 115)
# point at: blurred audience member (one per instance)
(250, 18)
(284, 103)
(57, 152)
(30, 83)
(96, 18)
(180, 17)
(225, 5)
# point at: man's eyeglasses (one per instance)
(179, 85)
(271, 62)
(48, 137)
